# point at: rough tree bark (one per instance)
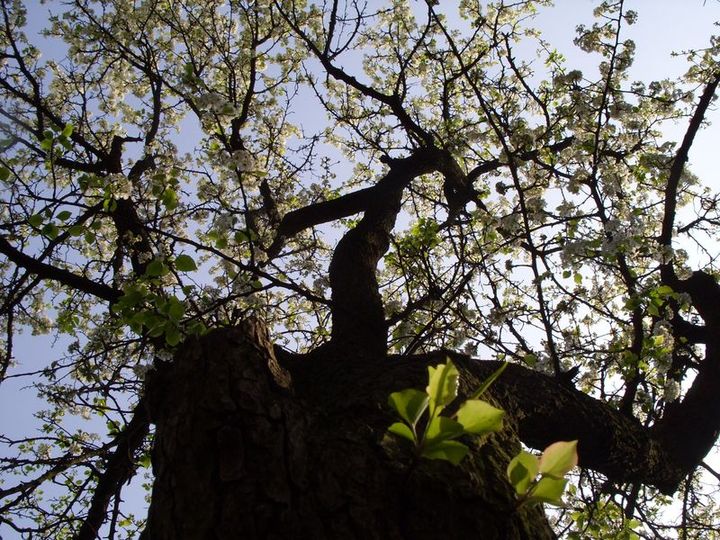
(240, 452)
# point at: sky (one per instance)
(663, 27)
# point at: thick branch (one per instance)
(458, 191)
(60, 275)
(690, 428)
(545, 410)
(303, 218)
(358, 319)
(609, 442)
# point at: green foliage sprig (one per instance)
(536, 480)
(436, 439)
(543, 479)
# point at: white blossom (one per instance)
(119, 186)
(43, 450)
(571, 251)
(144, 257)
(321, 283)
(212, 101)
(224, 222)
(164, 355)
(141, 370)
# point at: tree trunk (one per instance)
(243, 452)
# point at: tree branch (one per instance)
(346, 205)
(547, 411)
(47, 271)
(681, 157)
(358, 318)
(119, 469)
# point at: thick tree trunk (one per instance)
(241, 452)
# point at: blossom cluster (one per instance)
(118, 185)
(215, 103)
(242, 160)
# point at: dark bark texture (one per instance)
(242, 452)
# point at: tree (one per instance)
(241, 284)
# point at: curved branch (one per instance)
(546, 411)
(358, 318)
(689, 428)
(346, 205)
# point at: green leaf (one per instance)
(36, 220)
(196, 328)
(443, 428)
(442, 384)
(478, 417)
(89, 237)
(4, 173)
(402, 430)
(67, 130)
(409, 404)
(156, 268)
(136, 322)
(664, 291)
(134, 295)
(51, 231)
(451, 451)
(156, 326)
(46, 144)
(109, 204)
(491, 379)
(522, 470)
(76, 230)
(112, 427)
(64, 215)
(185, 263)
(169, 199)
(559, 458)
(172, 335)
(175, 309)
(548, 490)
